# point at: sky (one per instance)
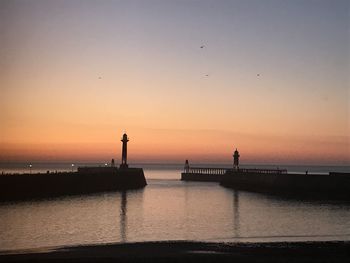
(185, 79)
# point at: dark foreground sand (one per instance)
(186, 251)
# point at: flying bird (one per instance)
(202, 46)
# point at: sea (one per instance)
(169, 209)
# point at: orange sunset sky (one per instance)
(271, 79)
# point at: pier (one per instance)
(204, 174)
(257, 171)
(209, 174)
(212, 171)
(86, 180)
(216, 174)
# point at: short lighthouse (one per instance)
(236, 160)
(125, 140)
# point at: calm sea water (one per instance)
(169, 209)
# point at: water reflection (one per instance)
(170, 210)
(236, 214)
(123, 217)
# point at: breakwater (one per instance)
(328, 186)
(217, 174)
(334, 185)
(85, 180)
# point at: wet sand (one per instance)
(187, 251)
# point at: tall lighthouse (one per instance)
(125, 140)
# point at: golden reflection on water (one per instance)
(169, 209)
(123, 217)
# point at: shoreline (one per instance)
(187, 251)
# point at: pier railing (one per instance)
(200, 170)
(220, 171)
(37, 173)
(259, 171)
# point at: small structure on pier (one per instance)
(187, 167)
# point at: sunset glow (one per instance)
(271, 80)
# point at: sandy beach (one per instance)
(187, 251)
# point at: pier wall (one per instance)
(312, 185)
(203, 174)
(31, 186)
(201, 177)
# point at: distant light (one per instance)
(30, 166)
(72, 164)
(106, 164)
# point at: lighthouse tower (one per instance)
(125, 140)
(236, 160)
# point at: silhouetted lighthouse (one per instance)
(125, 140)
(236, 160)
